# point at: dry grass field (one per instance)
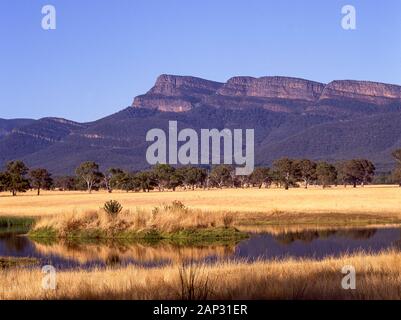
(377, 277)
(369, 200)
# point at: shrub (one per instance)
(113, 208)
(175, 206)
(228, 220)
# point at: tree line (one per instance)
(284, 173)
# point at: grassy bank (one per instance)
(206, 236)
(287, 219)
(378, 277)
(175, 223)
(9, 222)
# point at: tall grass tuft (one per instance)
(113, 208)
(194, 281)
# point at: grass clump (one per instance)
(113, 208)
(194, 282)
(174, 221)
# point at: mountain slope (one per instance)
(7, 126)
(291, 117)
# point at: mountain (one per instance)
(291, 117)
(7, 126)
(278, 94)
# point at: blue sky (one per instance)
(104, 52)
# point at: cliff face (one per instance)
(173, 86)
(176, 93)
(273, 87)
(363, 91)
(278, 94)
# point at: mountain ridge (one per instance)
(183, 93)
(291, 116)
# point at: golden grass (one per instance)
(166, 219)
(384, 200)
(282, 229)
(377, 277)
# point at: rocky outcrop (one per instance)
(363, 91)
(178, 86)
(177, 93)
(277, 94)
(273, 87)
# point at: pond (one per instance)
(268, 245)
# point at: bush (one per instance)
(176, 206)
(113, 208)
(228, 220)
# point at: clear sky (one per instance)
(105, 52)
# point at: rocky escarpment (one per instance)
(272, 87)
(363, 91)
(279, 94)
(177, 93)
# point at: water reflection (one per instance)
(272, 243)
(309, 235)
(112, 253)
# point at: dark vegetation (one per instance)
(9, 262)
(118, 141)
(10, 222)
(284, 173)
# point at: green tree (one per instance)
(66, 183)
(129, 182)
(286, 172)
(41, 179)
(112, 179)
(397, 171)
(397, 175)
(307, 171)
(221, 176)
(368, 171)
(193, 176)
(356, 171)
(146, 180)
(326, 174)
(89, 173)
(260, 176)
(16, 177)
(163, 173)
(4, 181)
(397, 155)
(176, 180)
(341, 176)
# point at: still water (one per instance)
(274, 244)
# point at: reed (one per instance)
(8, 222)
(377, 277)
